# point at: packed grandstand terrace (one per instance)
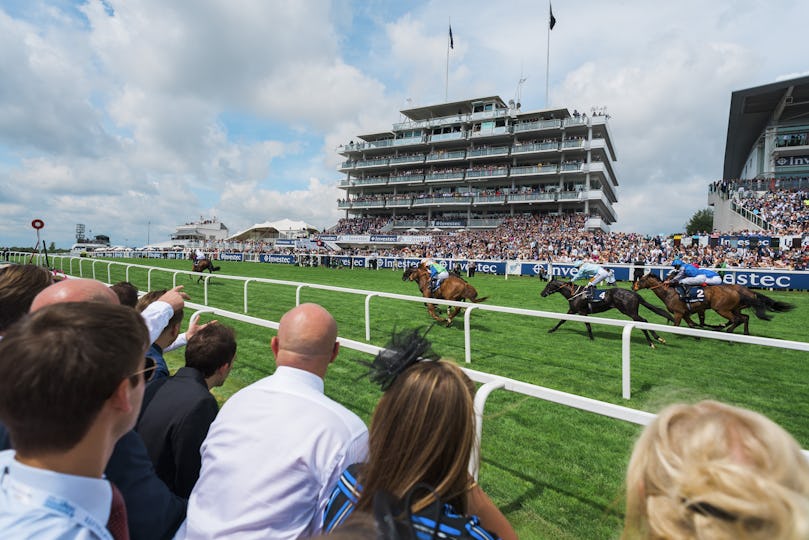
(562, 238)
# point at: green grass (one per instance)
(555, 471)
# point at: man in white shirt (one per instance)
(278, 446)
(71, 384)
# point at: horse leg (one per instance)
(589, 331)
(734, 319)
(560, 323)
(431, 311)
(452, 315)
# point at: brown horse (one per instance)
(452, 288)
(202, 265)
(726, 300)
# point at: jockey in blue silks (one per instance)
(688, 274)
(595, 272)
(437, 272)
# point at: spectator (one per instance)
(152, 510)
(126, 292)
(711, 470)
(422, 431)
(19, 284)
(64, 433)
(166, 337)
(178, 411)
(280, 440)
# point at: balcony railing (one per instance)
(442, 200)
(503, 130)
(409, 140)
(398, 203)
(486, 173)
(442, 156)
(535, 147)
(490, 199)
(454, 175)
(575, 121)
(568, 167)
(372, 163)
(534, 126)
(406, 178)
(454, 136)
(490, 151)
(573, 143)
(369, 181)
(407, 159)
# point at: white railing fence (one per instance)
(628, 326)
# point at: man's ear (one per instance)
(274, 345)
(334, 351)
(120, 398)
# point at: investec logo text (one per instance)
(787, 161)
(230, 257)
(755, 280)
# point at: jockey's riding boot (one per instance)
(681, 291)
(588, 293)
(433, 284)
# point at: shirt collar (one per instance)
(94, 495)
(300, 376)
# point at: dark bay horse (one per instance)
(452, 288)
(727, 300)
(202, 265)
(623, 300)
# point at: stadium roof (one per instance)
(752, 109)
(270, 229)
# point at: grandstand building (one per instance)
(471, 163)
(767, 148)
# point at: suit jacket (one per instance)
(174, 421)
(153, 512)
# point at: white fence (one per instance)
(627, 326)
(490, 382)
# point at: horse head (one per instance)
(408, 274)
(553, 286)
(646, 281)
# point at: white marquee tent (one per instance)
(284, 228)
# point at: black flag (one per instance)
(552, 24)
(451, 42)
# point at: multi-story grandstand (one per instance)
(470, 164)
(766, 171)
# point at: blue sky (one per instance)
(120, 114)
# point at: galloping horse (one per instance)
(452, 288)
(726, 300)
(202, 265)
(623, 300)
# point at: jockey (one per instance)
(595, 272)
(199, 255)
(688, 274)
(437, 272)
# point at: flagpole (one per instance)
(548, 58)
(446, 76)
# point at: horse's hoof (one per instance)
(449, 323)
(652, 345)
(661, 340)
(552, 330)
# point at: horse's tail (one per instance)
(479, 300)
(662, 312)
(215, 268)
(774, 305)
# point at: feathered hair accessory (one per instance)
(404, 349)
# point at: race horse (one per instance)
(624, 300)
(452, 288)
(204, 264)
(727, 300)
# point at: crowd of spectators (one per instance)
(114, 452)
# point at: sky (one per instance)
(134, 116)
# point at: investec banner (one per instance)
(792, 161)
(273, 258)
(231, 257)
(744, 241)
(384, 238)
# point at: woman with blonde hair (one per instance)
(421, 440)
(714, 471)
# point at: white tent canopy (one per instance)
(284, 228)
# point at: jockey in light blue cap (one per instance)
(595, 272)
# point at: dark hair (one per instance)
(211, 348)
(59, 365)
(127, 293)
(153, 296)
(19, 284)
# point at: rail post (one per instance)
(245, 293)
(368, 316)
(467, 333)
(298, 294)
(480, 401)
(626, 382)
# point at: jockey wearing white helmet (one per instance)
(595, 272)
(437, 272)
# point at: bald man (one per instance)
(278, 446)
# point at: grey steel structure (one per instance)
(469, 164)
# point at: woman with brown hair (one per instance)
(713, 471)
(421, 440)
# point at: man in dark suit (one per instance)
(178, 411)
